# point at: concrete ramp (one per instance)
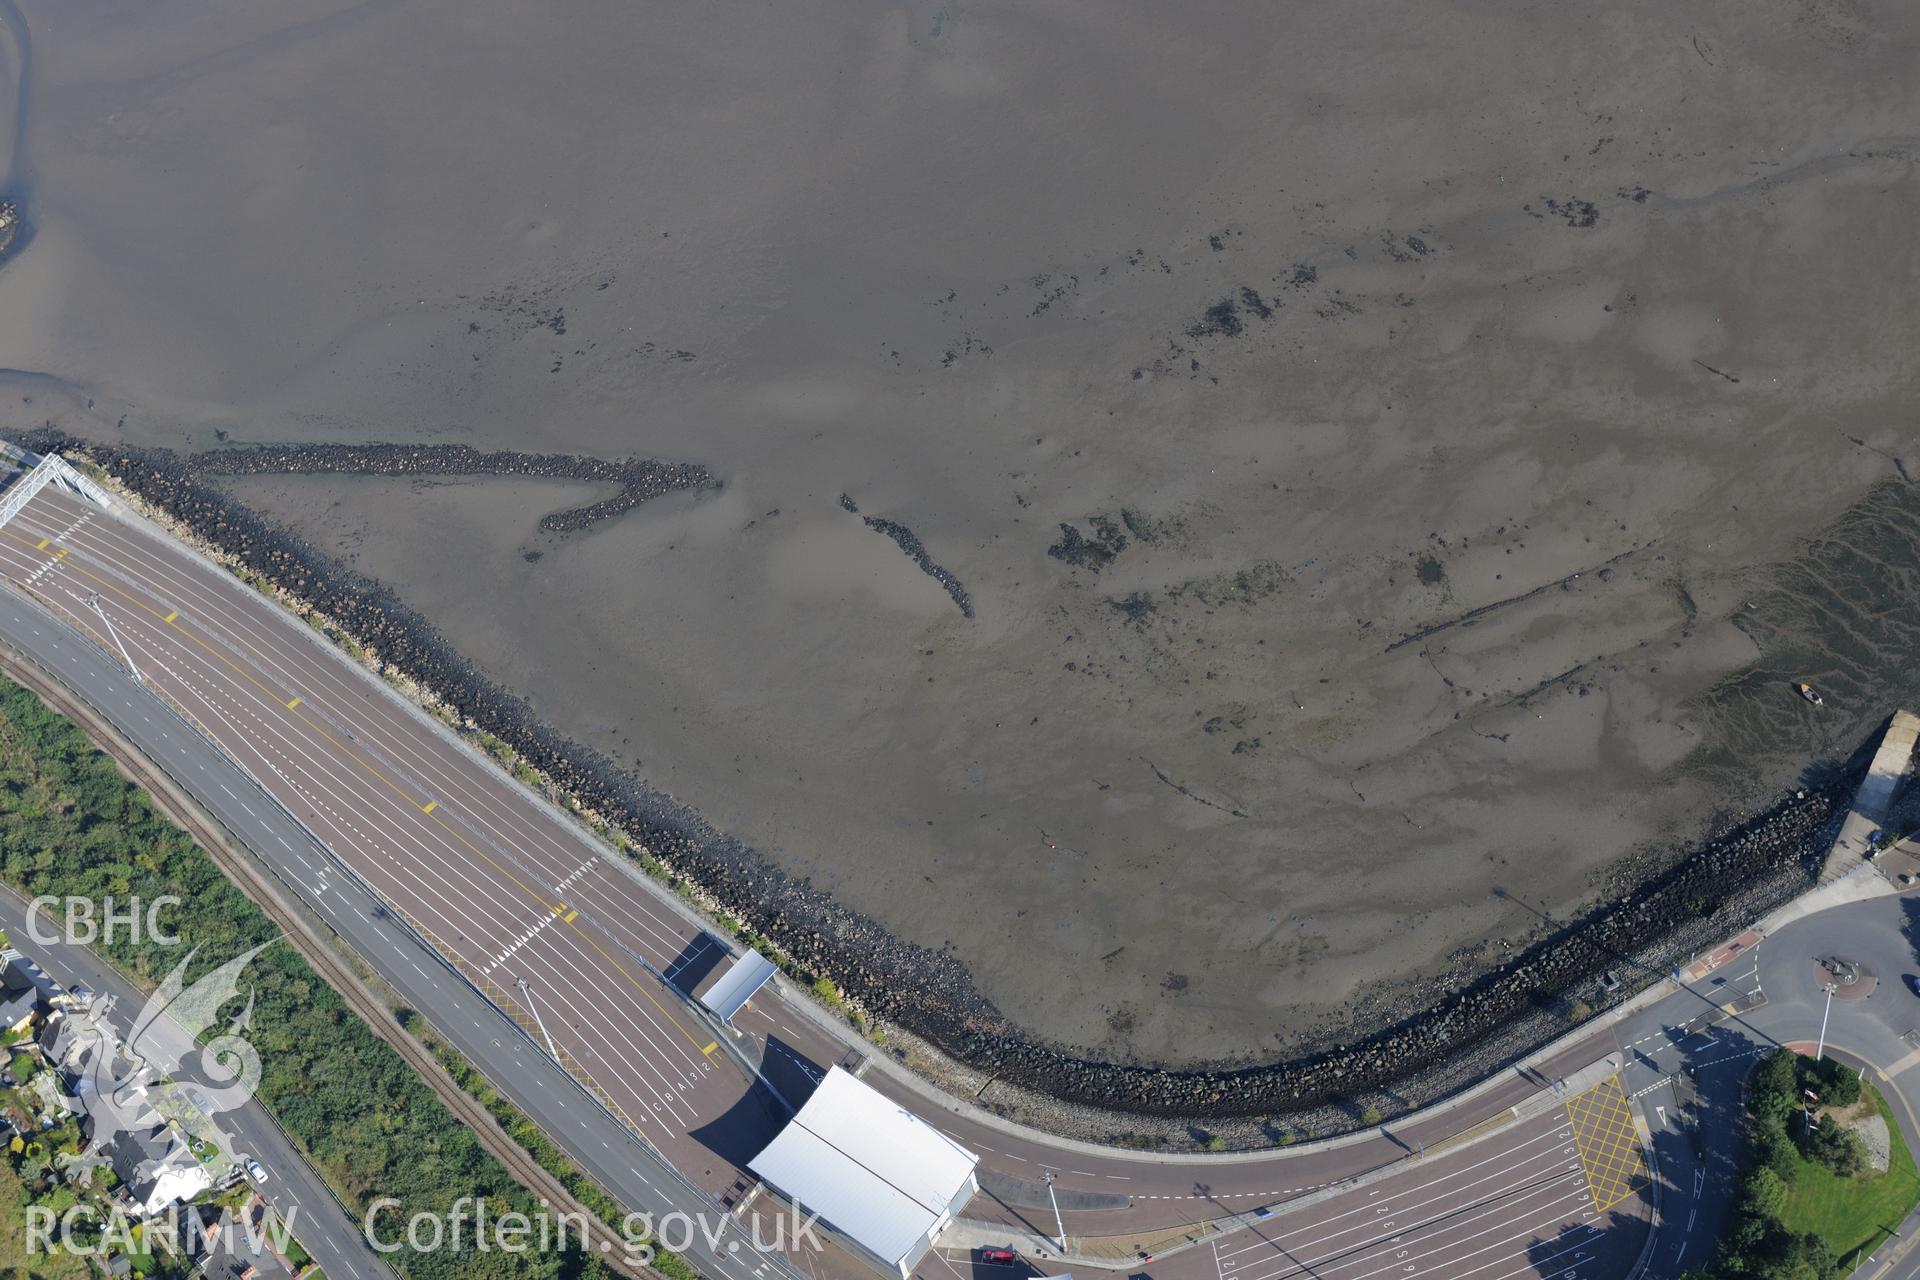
(1874, 800)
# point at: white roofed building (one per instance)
(883, 1179)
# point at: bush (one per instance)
(1837, 1147)
(1838, 1085)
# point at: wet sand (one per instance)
(1318, 330)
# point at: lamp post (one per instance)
(94, 600)
(1819, 1052)
(1058, 1226)
(538, 1021)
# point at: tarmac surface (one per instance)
(388, 818)
(1688, 1058)
(557, 1102)
(327, 764)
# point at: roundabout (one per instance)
(1843, 978)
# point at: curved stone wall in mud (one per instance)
(1709, 895)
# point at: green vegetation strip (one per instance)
(1854, 1215)
(70, 825)
(535, 1143)
(1809, 1206)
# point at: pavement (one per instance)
(516, 932)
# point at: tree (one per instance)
(1772, 1149)
(1837, 1147)
(1762, 1193)
(1777, 1073)
(1839, 1085)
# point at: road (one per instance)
(473, 1025)
(296, 1192)
(391, 830)
(1688, 1058)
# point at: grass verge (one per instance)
(1854, 1214)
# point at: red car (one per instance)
(999, 1258)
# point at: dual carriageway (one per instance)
(589, 959)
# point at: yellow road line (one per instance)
(170, 617)
(711, 1046)
(349, 753)
(42, 544)
(293, 703)
(429, 806)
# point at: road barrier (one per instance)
(515, 1015)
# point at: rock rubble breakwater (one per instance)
(639, 479)
(1432, 1046)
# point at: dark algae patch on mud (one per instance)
(1844, 615)
(1742, 871)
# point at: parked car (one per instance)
(255, 1172)
(999, 1258)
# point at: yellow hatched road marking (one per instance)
(1609, 1148)
(61, 554)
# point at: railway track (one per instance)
(311, 940)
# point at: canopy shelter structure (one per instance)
(743, 978)
(882, 1179)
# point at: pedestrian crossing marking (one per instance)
(1609, 1149)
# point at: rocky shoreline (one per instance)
(1424, 1055)
(909, 542)
(639, 479)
